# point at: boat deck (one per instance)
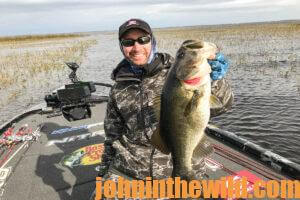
(62, 163)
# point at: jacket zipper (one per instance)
(142, 110)
(144, 127)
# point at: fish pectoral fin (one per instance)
(215, 102)
(193, 103)
(156, 106)
(203, 149)
(158, 142)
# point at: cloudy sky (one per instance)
(60, 16)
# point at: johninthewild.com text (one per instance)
(225, 187)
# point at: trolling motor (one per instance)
(73, 66)
(72, 101)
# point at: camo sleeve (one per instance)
(114, 126)
(222, 90)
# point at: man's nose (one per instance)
(137, 45)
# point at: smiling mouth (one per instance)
(137, 55)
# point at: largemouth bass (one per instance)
(184, 108)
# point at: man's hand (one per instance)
(219, 66)
(103, 169)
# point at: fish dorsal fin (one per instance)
(158, 142)
(203, 148)
(215, 102)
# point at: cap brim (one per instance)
(134, 27)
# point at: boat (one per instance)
(53, 158)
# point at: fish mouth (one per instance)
(196, 80)
(193, 81)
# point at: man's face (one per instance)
(138, 53)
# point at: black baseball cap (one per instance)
(134, 23)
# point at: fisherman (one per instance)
(130, 121)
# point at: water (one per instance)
(266, 108)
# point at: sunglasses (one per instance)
(130, 42)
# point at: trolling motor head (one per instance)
(73, 66)
(72, 101)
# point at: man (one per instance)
(130, 119)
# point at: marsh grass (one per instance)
(19, 66)
(31, 38)
(257, 49)
(245, 42)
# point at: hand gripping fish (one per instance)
(183, 108)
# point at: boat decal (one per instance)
(65, 130)
(88, 155)
(75, 138)
(251, 179)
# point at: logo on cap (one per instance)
(132, 22)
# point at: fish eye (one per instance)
(180, 55)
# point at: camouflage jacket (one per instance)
(130, 120)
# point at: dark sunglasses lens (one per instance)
(140, 40)
(128, 43)
(144, 40)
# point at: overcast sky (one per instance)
(60, 16)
